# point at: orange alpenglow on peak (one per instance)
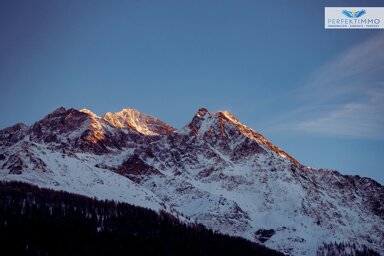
(204, 121)
(142, 123)
(87, 111)
(123, 119)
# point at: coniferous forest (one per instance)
(35, 221)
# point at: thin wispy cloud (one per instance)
(344, 97)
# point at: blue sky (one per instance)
(316, 93)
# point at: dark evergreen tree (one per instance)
(344, 249)
(36, 221)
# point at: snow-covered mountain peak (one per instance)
(204, 121)
(224, 130)
(202, 112)
(89, 112)
(58, 110)
(60, 121)
(142, 123)
(84, 131)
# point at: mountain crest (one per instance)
(88, 112)
(58, 110)
(202, 112)
(197, 120)
(222, 126)
(142, 123)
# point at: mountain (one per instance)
(214, 171)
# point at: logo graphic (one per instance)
(353, 13)
(347, 17)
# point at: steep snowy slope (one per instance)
(61, 151)
(78, 174)
(215, 171)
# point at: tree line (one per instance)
(36, 221)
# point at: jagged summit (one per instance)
(202, 112)
(59, 110)
(84, 131)
(60, 121)
(89, 112)
(143, 123)
(204, 120)
(130, 119)
(222, 126)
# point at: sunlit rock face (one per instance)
(215, 171)
(82, 130)
(142, 123)
(224, 130)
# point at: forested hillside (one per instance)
(36, 221)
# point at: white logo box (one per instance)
(354, 18)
